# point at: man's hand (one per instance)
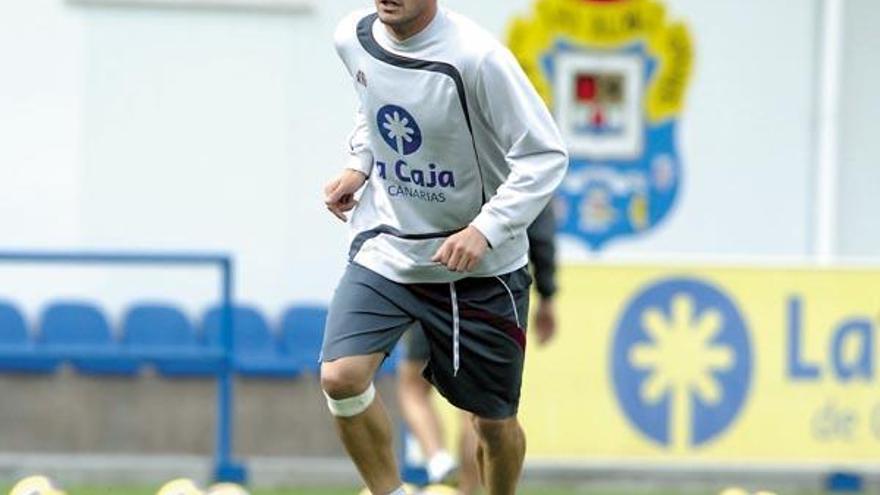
(463, 251)
(545, 320)
(339, 192)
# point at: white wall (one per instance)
(173, 129)
(41, 67)
(858, 215)
(41, 87)
(215, 131)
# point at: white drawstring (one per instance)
(512, 300)
(455, 328)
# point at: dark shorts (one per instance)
(369, 313)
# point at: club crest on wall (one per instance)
(615, 74)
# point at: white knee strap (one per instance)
(352, 406)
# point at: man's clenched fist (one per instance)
(463, 251)
(339, 192)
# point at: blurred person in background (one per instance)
(457, 155)
(414, 390)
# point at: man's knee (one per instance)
(347, 387)
(496, 432)
(341, 380)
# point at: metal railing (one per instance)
(225, 467)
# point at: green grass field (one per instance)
(353, 491)
(346, 491)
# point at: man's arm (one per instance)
(360, 157)
(339, 192)
(542, 252)
(535, 154)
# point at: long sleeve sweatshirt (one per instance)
(450, 133)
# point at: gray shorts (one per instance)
(415, 345)
(369, 313)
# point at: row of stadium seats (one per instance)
(161, 335)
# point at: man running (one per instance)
(456, 155)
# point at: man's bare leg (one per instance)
(415, 404)
(422, 418)
(502, 448)
(367, 436)
(481, 464)
(469, 469)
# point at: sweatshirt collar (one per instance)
(414, 42)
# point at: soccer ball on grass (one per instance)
(438, 490)
(227, 489)
(36, 485)
(180, 486)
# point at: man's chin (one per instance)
(389, 19)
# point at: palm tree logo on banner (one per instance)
(681, 363)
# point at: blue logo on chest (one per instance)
(401, 132)
(399, 129)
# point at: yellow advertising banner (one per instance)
(708, 363)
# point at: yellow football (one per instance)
(227, 489)
(180, 486)
(35, 485)
(410, 489)
(438, 490)
(734, 490)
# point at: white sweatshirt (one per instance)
(451, 133)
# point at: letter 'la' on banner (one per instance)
(615, 74)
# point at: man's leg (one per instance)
(361, 420)
(479, 367)
(481, 465)
(469, 469)
(417, 407)
(418, 411)
(501, 450)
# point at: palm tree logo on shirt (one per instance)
(681, 362)
(399, 129)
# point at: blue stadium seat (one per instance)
(80, 329)
(302, 332)
(17, 353)
(256, 350)
(163, 329)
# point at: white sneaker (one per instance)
(441, 466)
